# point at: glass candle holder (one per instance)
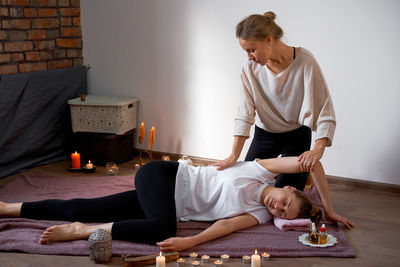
(225, 257)
(195, 263)
(193, 256)
(205, 259)
(111, 168)
(180, 262)
(265, 256)
(166, 158)
(246, 259)
(217, 263)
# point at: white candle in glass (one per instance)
(160, 261)
(255, 260)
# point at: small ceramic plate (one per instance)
(330, 241)
(84, 169)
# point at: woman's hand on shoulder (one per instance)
(226, 163)
(175, 244)
(334, 217)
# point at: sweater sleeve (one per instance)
(317, 111)
(246, 111)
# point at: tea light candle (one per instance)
(205, 258)
(89, 165)
(160, 261)
(165, 158)
(193, 256)
(225, 257)
(217, 263)
(255, 259)
(180, 262)
(137, 166)
(76, 160)
(265, 256)
(246, 259)
(195, 263)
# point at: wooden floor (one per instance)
(376, 237)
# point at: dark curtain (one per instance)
(35, 124)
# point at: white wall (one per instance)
(182, 60)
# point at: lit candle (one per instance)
(160, 261)
(265, 256)
(76, 160)
(255, 260)
(165, 158)
(225, 257)
(151, 137)
(89, 165)
(195, 263)
(217, 263)
(246, 259)
(180, 262)
(193, 256)
(205, 258)
(141, 133)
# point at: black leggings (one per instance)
(270, 145)
(145, 215)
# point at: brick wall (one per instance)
(39, 35)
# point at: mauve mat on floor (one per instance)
(17, 234)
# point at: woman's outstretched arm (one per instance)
(218, 229)
(292, 165)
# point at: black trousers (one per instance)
(270, 145)
(145, 215)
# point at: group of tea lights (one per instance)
(255, 260)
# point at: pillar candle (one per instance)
(76, 160)
(141, 133)
(160, 261)
(255, 260)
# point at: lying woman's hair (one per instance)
(307, 209)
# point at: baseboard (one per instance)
(334, 180)
(368, 185)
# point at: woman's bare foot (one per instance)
(10, 209)
(66, 232)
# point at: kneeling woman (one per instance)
(235, 198)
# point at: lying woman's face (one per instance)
(282, 203)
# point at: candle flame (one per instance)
(255, 251)
(76, 153)
(89, 161)
(160, 253)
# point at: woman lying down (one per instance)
(166, 192)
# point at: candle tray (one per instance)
(82, 169)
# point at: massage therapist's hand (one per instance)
(175, 244)
(308, 160)
(334, 217)
(228, 162)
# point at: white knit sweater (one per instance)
(283, 102)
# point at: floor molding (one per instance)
(336, 180)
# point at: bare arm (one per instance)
(218, 229)
(238, 143)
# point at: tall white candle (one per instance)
(160, 261)
(255, 260)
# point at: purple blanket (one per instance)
(23, 234)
